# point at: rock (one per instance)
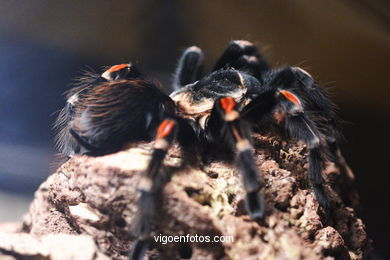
(52, 246)
(90, 202)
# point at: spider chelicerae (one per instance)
(210, 117)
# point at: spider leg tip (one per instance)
(242, 43)
(194, 49)
(255, 206)
(321, 197)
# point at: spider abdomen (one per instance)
(120, 112)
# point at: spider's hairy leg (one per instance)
(329, 121)
(243, 55)
(233, 52)
(287, 110)
(318, 100)
(225, 126)
(151, 184)
(122, 71)
(304, 129)
(188, 69)
(300, 126)
(149, 188)
(333, 151)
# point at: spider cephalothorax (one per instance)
(210, 117)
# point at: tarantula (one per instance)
(212, 117)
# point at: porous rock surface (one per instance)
(86, 210)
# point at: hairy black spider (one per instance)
(212, 117)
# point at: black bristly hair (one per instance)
(225, 129)
(67, 140)
(120, 112)
(243, 55)
(189, 67)
(210, 117)
(317, 102)
(285, 101)
(108, 112)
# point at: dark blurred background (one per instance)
(345, 44)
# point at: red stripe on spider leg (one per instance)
(291, 97)
(228, 104)
(165, 128)
(117, 67)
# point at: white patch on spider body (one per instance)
(202, 121)
(241, 79)
(186, 104)
(184, 99)
(304, 71)
(73, 99)
(107, 75)
(194, 49)
(242, 43)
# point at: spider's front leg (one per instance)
(149, 187)
(285, 109)
(151, 184)
(317, 99)
(303, 128)
(225, 127)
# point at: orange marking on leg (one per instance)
(227, 104)
(291, 97)
(117, 67)
(165, 128)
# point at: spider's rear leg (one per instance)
(225, 127)
(188, 69)
(243, 55)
